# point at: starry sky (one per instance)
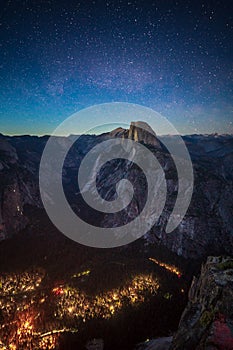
(58, 57)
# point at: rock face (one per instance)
(18, 186)
(7, 153)
(140, 132)
(207, 321)
(208, 225)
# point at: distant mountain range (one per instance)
(207, 227)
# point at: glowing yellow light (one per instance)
(170, 268)
(12, 346)
(70, 309)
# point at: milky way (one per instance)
(58, 57)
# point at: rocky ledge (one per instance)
(207, 321)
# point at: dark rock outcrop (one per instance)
(8, 154)
(207, 321)
(18, 185)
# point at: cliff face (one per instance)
(18, 187)
(207, 321)
(139, 132)
(207, 227)
(142, 132)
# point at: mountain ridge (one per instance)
(208, 222)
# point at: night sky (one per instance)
(60, 57)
